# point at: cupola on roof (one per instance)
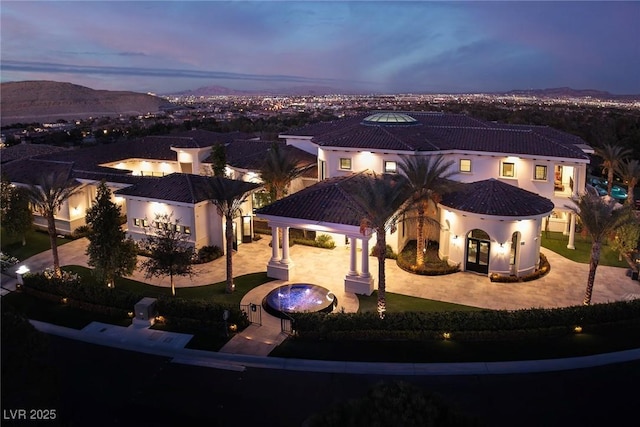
(390, 119)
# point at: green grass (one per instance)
(215, 292)
(557, 243)
(397, 303)
(37, 241)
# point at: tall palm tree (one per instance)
(379, 201)
(228, 195)
(47, 195)
(278, 170)
(612, 156)
(629, 171)
(600, 218)
(427, 178)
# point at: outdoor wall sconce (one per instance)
(446, 335)
(577, 329)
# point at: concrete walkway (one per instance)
(563, 286)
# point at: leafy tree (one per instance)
(228, 196)
(111, 253)
(47, 195)
(612, 157)
(427, 179)
(378, 201)
(600, 217)
(629, 171)
(15, 213)
(171, 253)
(219, 160)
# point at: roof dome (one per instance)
(390, 119)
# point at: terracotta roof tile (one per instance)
(497, 198)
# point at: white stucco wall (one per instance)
(453, 241)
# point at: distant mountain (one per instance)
(44, 101)
(291, 91)
(567, 92)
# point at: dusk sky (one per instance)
(372, 46)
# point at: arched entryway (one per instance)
(478, 251)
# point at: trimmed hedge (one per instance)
(464, 325)
(407, 258)
(92, 297)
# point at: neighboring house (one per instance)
(155, 174)
(515, 180)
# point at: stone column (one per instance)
(572, 232)
(566, 226)
(353, 267)
(365, 258)
(285, 246)
(274, 244)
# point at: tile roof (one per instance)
(24, 151)
(497, 198)
(176, 187)
(443, 132)
(250, 155)
(327, 201)
(27, 171)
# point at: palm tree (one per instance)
(47, 195)
(629, 171)
(612, 156)
(600, 217)
(378, 201)
(228, 196)
(427, 179)
(277, 172)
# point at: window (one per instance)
(322, 170)
(345, 163)
(465, 165)
(540, 173)
(145, 223)
(390, 166)
(177, 228)
(508, 170)
(136, 222)
(187, 230)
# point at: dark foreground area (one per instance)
(89, 385)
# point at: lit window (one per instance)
(390, 166)
(465, 165)
(508, 170)
(145, 223)
(345, 163)
(177, 228)
(136, 222)
(540, 173)
(187, 230)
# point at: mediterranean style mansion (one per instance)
(515, 181)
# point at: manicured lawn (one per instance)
(215, 292)
(397, 303)
(37, 241)
(557, 242)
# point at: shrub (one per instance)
(464, 325)
(542, 270)
(208, 254)
(325, 241)
(82, 231)
(389, 254)
(7, 261)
